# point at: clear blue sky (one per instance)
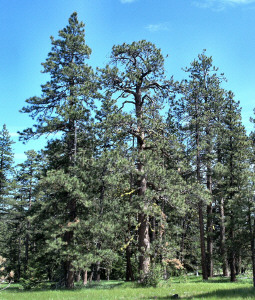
(181, 28)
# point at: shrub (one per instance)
(153, 277)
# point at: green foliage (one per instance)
(119, 190)
(153, 277)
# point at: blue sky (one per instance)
(181, 28)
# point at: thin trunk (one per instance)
(252, 243)
(98, 271)
(200, 210)
(153, 229)
(129, 270)
(209, 227)
(78, 276)
(209, 240)
(182, 241)
(68, 238)
(223, 250)
(85, 278)
(202, 241)
(28, 224)
(19, 259)
(92, 273)
(253, 252)
(238, 263)
(232, 260)
(232, 267)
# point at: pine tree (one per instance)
(235, 178)
(64, 107)
(28, 176)
(137, 78)
(6, 186)
(6, 165)
(195, 116)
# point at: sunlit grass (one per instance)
(186, 288)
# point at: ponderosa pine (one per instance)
(64, 107)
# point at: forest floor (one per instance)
(186, 287)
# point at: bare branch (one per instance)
(125, 102)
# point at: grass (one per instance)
(186, 287)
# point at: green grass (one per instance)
(186, 287)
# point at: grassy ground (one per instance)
(186, 288)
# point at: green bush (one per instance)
(153, 278)
(31, 283)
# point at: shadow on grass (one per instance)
(100, 286)
(103, 285)
(219, 294)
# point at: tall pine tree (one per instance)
(64, 107)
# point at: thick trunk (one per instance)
(71, 209)
(69, 279)
(143, 219)
(144, 245)
(223, 240)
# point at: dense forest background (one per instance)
(144, 175)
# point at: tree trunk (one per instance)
(78, 276)
(27, 239)
(232, 260)
(143, 219)
(129, 270)
(92, 273)
(252, 243)
(253, 251)
(209, 221)
(200, 204)
(98, 271)
(238, 263)
(232, 266)
(69, 279)
(144, 245)
(68, 238)
(85, 278)
(223, 240)
(183, 235)
(202, 241)
(209, 241)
